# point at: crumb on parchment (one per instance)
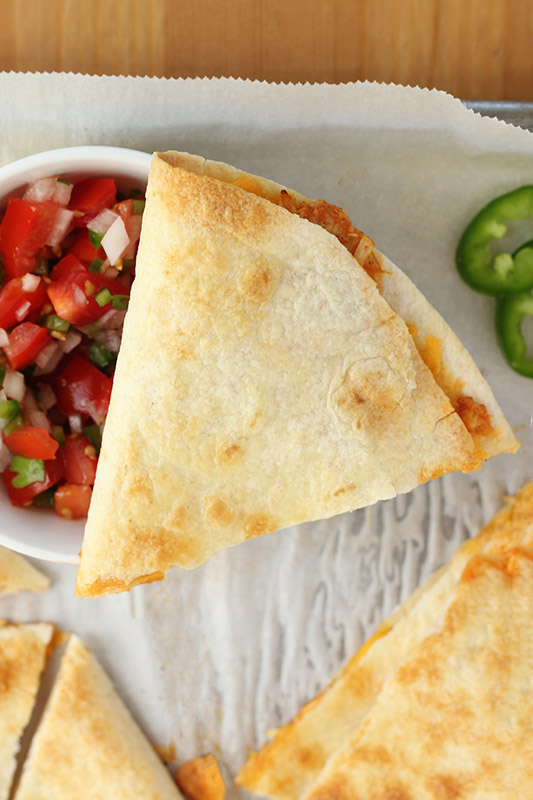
(200, 779)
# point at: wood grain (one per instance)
(472, 48)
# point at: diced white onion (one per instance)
(4, 338)
(62, 192)
(103, 221)
(110, 339)
(75, 423)
(38, 419)
(46, 354)
(41, 190)
(5, 456)
(30, 283)
(14, 386)
(72, 340)
(117, 321)
(46, 396)
(80, 298)
(51, 364)
(115, 241)
(22, 310)
(108, 316)
(110, 272)
(62, 221)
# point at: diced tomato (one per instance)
(13, 299)
(68, 265)
(25, 343)
(72, 501)
(73, 296)
(124, 209)
(23, 231)
(91, 196)
(79, 459)
(32, 442)
(81, 388)
(23, 497)
(82, 248)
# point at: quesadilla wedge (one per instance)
(87, 745)
(264, 380)
(23, 654)
(288, 765)
(454, 720)
(18, 575)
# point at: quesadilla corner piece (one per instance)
(24, 650)
(267, 377)
(87, 744)
(300, 752)
(18, 575)
(287, 765)
(455, 719)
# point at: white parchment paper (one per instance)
(212, 659)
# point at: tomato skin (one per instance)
(32, 442)
(72, 501)
(25, 343)
(91, 196)
(13, 296)
(23, 497)
(82, 248)
(69, 296)
(79, 460)
(81, 388)
(68, 265)
(23, 231)
(124, 209)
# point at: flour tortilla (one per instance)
(87, 744)
(18, 575)
(262, 381)
(23, 654)
(455, 718)
(287, 766)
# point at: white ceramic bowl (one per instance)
(39, 532)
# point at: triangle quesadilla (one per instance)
(18, 575)
(23, 654)
(316, 752)
(264, 380)
(87, 745)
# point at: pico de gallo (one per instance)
(67, 264)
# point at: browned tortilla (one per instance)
(263, 381)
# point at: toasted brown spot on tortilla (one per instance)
(257, 524)
(219, 512)
(344, 489)
(369, 390)
(257, 284)
(228, 453)
(444, 787)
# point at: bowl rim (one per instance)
(80, 153)
(125, 162)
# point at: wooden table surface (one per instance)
(479, 49)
